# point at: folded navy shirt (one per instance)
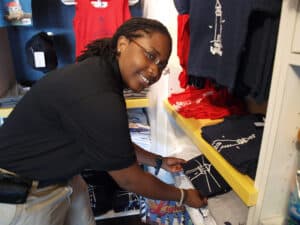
(238, 140)
(205, 177)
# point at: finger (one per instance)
(177, 168)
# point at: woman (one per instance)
(75, 118)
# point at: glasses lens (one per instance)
(151, 57)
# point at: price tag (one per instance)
(39, 59)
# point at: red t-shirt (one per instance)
(92, 22)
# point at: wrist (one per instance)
(158, 163)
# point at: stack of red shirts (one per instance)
(206, 103)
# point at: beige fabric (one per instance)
(7, 213)
(44, 206)
(52, 205)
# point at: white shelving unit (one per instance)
(278, 155)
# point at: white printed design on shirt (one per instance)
(202, 169)
(221, 144)
(216, 46)
(133, 199)
(180, 104)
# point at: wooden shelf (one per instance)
(240, 183)
(137, 103)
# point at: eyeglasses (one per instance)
(151, 57)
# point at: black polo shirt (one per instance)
(73, 118)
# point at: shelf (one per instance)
(4, 112)
(240, 183)
(137, 103)
(130, 103)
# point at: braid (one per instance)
(96, 48)
(133, 28)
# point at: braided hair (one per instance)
(133, 28)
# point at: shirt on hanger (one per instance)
(92, 21)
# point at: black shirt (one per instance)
(73, 118)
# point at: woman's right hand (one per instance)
(194, 198)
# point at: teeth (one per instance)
(144, 79)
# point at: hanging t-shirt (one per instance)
(256, 65)
(218, 31)
(183, 46)
(97, 19)
(15, 12)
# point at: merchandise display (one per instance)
(232, 79)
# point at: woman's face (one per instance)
(141, 60)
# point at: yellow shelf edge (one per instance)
(137, 103)
(242, 184)
(4, 112)
(130, 103)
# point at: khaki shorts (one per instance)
(52, 205)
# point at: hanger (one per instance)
(68, 2)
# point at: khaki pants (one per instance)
(52, 205)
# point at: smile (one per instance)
(144, 80)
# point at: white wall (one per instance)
(162, 134)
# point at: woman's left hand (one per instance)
(172, 164)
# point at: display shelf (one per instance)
(242, 184)
(130, 103)
(137, 103)
(4, 112)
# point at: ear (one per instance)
(122, 43)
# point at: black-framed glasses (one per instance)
(150, 56)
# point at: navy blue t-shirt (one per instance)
(218, 31)
(238, 140)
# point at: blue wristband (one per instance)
(158, 163)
